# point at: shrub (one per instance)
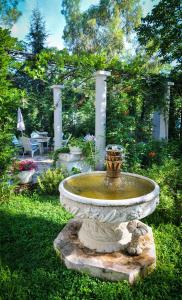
(49, 181)
(6, 190)
(145, 154)
(168, 176)
(9, 99)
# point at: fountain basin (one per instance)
(105, 212)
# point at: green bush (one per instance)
(49, 181)
(6, 190)
(9, 99)
(145, 154)
(168, 176)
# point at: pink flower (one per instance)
(25, 165)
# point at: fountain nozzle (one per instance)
(114, 155)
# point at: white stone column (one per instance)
(58, 132)
(100, 119)
(161, 118)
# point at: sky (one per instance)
(51, 12)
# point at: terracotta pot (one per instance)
(26, 176)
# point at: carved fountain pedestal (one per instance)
(106, 238)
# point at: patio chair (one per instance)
(28, 146)
(16, 142)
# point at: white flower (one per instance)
(89, 137)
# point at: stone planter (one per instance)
(75, 150)
(73, 160)
(68, 157)
(25, 176)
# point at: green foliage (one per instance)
(76, 142)
(102, 27)
(37, 34)
(9, 12)
(145, 154)
(165, 168)
(168, 176)
(135, 91)
(49, 181)
(75, 171)
(160, 30)
(6, 190)
(132, 100)
(9, 99)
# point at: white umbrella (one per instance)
(20, 122)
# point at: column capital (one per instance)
(102, 73)
(57, 86)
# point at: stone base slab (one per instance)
(110, 266)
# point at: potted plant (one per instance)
(24, 170)
(75, 145)
(59, 154)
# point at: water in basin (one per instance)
(94, 186)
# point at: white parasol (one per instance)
(20, 122)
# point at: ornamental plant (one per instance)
(76, 142)
(25, 165)
(48, 182)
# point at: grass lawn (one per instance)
(30, 268)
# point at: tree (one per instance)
(161, 31)
(102, 27)
(9, 99)
(37, 34)
(9, 12)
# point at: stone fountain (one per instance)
(106, 238)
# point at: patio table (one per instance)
(41, 141)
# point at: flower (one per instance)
(25, 165)
(152, 154)
(89, 137)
